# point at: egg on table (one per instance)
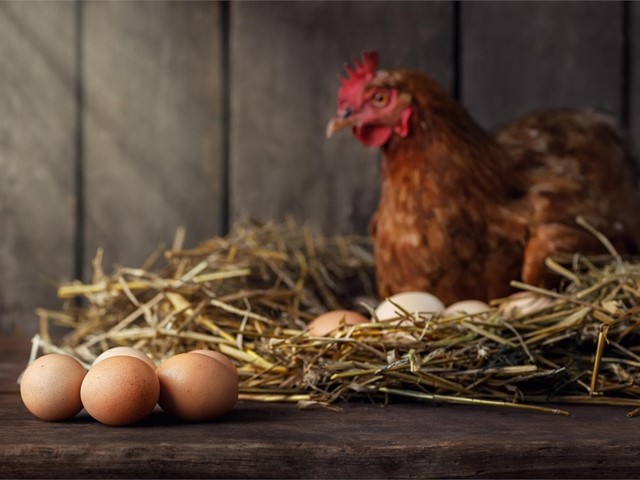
(120, 390)
(50, 387)
(330, 321)
(221, 357)
(412, 302)
(127, 351)
(196, 387)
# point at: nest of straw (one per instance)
(251, 294)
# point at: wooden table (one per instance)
(279, 441)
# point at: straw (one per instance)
(251, 294)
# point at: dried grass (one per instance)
(251, 294)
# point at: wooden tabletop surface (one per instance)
(258, 440)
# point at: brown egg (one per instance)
(330, 321)
(50, 387)
(222, 358)
(120, 390)
(196, 387)
(119, 351)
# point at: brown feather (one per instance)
(462, 212)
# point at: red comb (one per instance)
(363, 71)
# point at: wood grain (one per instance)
(14, 356)
(279, 441)
(256, 440)
(153, 113)
(519, 56)
(633, 70)
(37, 126)
(153, 126)
(284, 60)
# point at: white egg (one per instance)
(412, 302)
(524, 303)
(469, 307)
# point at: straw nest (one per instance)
(251, 294)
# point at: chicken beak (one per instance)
(339, 123)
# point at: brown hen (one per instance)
(462, 211)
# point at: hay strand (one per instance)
(251, 294)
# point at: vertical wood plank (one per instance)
(633, 70)
(519, 56)
(284, 60)
(37, 124)
(153, 127)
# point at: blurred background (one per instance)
(121, 121)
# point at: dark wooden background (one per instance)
(120, 121)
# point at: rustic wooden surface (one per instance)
(279, 441)
(277, 167)
(37, 127)
(520, 56)
(153, 124)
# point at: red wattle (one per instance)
(403, 128)
(373, 135)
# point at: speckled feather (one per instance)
(464, 211)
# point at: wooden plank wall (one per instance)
(290, 80)
(153, 126)
(519, 56)
(37, 157)
(120, 121)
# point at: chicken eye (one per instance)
(380, 99)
